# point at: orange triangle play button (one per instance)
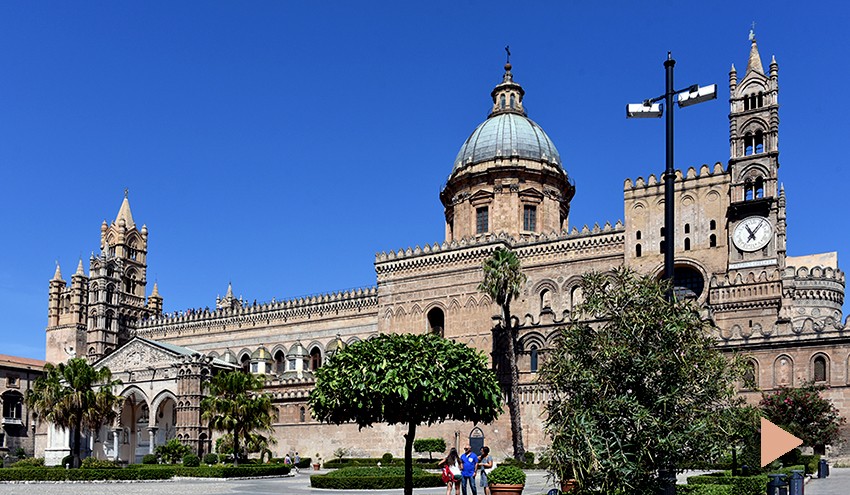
(775, 442)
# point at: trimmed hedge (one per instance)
(141, 472)
(811, 463)
(373, 461)
(741, 485)
(369, 478)
(704, 490)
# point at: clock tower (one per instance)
(756, 214)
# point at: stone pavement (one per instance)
(838, 483)
(536, 484)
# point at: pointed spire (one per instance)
(58, 274)
(80, 270)
(754, 63)
(155, 291)
(124, 212)
(229, 294)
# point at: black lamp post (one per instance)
(652, 109)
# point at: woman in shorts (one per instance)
(453, 461)
(485, 464)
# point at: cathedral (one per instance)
(507, 187)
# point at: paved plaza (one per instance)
(536, 484)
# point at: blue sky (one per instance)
(280, 145)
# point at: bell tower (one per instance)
(756, 216)
(118, 278)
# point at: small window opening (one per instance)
(436, 321)
(750, 375)
(712, 225)
(546, 299)
(315, 359)
(637, 251)
(279, 362)
(748, 145)
(533, 358)
(637, 235)
(712, 241)
(482, 220)
(759, 142)
(820, 369)
(759, 188)
(760, 100)
(687, 228)
(687, 244)
(302, 414)
(661, 247)
(512, 100)
(529, 218)
(662, 231)
(502, 102)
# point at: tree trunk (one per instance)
(235, 448)
(408, 458)
(76, 462)
(513, 385)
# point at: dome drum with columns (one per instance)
(507, 176)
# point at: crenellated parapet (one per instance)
(345, 302)
(690, 174)
(744, 289)
(813, 297)
(576, 243)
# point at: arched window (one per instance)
(302, 414)
(502, 101)
(545, 299)
(748, 145)
(760, 100)
(436, 321)
(110, 292)
(759, 142)
(315, 358)
(687, 228)
(533, 358)
(748, 190)
(279, 362)
(687, 244)
(819, 369)
(712, 240)
(109, 317)
(746, 103)
(712, 225)
(637, 251)
(512, 100)
(750, 375)
(637, 235)
(246, 363)
(759, 188)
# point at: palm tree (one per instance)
(236, 406)
(75, 395)
(503, 279)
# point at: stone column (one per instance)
(152, 437)
(116, 443)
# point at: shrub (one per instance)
(741, 485)
(191, 460)
(529, 457)
(95, 463)
(208, 459)
(429, 445)
(811, 463)
(20, 453)
(172, 451)
(386, 459)
(507, 475)
(66, 461)
(373, 478)
(150, 459)
(304, 462)
(29, 463)
(704, 490)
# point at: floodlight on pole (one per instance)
(653, 108)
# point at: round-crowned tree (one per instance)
(406, 379)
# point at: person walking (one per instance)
(469, 462)
(485, 464)
(453, 462)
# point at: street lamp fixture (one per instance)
(653, 108)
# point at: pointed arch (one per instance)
(471, 303)
(454, 305)
(783, 371)
(160, 397)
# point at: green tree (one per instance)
(406, 379)
(503, 281)
(804, 413)
(236, 405)
(429, 445)
(75, 396)
(172, 451)
(637, 385)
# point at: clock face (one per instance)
(752, 233)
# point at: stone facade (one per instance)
(507, 188)
(18, 426)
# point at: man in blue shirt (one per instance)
(469, 460)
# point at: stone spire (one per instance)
(754, 63)
(155, 291)
(507, 96)
(80, 270)
(124, 212)
(58, 274)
